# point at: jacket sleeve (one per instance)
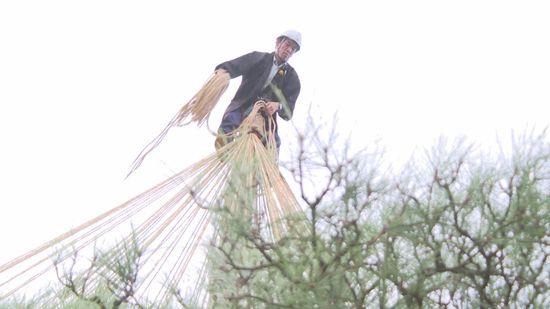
(291, 90)
(240, 65)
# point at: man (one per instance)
(265, 76)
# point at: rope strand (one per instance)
(197, 110)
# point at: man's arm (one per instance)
(240, 65)
(290, 93)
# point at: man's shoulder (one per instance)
(290, 70)
(255, 57)
(259, 54)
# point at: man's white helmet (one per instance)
(293, 35)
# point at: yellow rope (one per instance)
(197, 110)
(180, 206)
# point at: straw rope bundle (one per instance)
(197, 110)
(172, 219)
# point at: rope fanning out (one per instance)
(174, 218)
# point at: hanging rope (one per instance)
(197, 110)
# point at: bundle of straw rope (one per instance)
(197, 110)
(171, 220)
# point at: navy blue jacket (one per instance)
(254, 68)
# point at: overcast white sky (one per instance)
(84, 85)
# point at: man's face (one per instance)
(284, 49)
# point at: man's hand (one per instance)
(272, 107)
